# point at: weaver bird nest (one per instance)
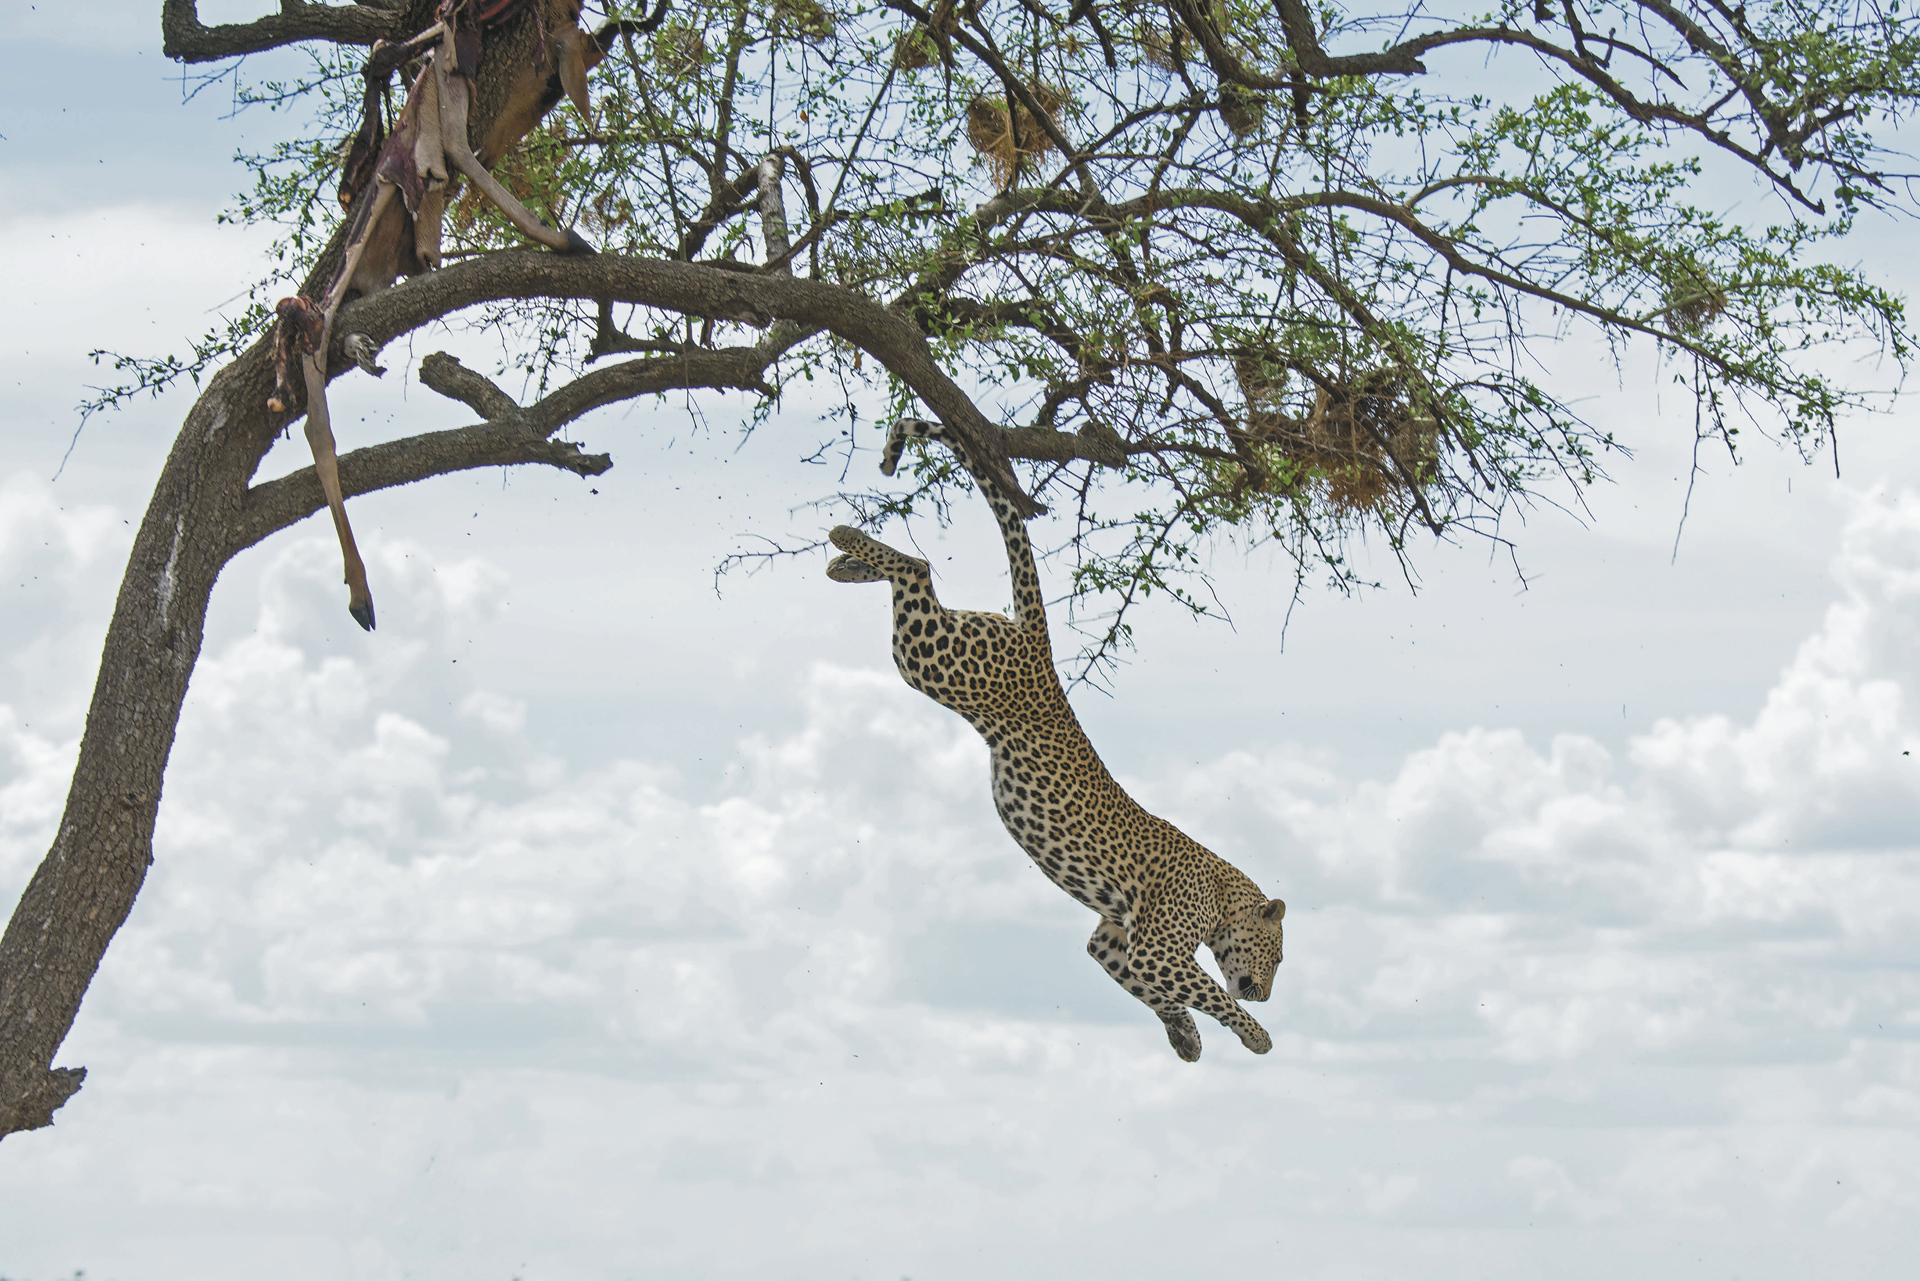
(803, 19)
(1363, 442)
(915, 48)
(1007, 139)
(1694, 305)
(679, 50)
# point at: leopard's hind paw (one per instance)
(849, 539)
(1184, 1037)
(851, 569)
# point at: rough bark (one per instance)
(82, 892)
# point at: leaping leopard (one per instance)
(1159, 893)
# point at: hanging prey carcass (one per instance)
(397, 187)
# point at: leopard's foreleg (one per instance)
(1163, 960)
(1108, 946)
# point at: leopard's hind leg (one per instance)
(1029, 607)
(868, 560)
(1108, 946)
(851, 569)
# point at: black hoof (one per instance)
(363, 615)
(576, 244)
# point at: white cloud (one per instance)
(1552, 1189)
(1826, 764)
(57, 570)
(76, 273)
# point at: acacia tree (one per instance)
(1198, 267)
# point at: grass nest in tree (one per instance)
(1166, 47)
(1241, 110)
(1694, 305)
(679, 50)
(802, 19)
(1156, 45)
(1006, 140)
(1363, 442)
(919, 46)
(606, 213)
(915, 49)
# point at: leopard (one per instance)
(1158, 893)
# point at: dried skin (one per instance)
(397, 225)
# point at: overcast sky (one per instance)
(582, 922)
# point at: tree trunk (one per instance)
(82, 892)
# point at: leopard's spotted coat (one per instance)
(1159, 893)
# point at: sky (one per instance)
(587, 922)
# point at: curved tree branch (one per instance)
(507, 439)
(694, 289)
(1296, 19)
(511, 435)
(186, 38)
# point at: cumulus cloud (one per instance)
(1826, 763)
(402, 984)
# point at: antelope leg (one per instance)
(326, 465)
(453, 139)
(426, 224)
(570, 51)
(384, 193)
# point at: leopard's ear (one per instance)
(1272, 910)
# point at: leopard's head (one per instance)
(1248, 949)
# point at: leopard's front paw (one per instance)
(1183, 1036)
(1255, 1038)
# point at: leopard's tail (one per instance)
(1030, 611)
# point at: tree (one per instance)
(1228, 267)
